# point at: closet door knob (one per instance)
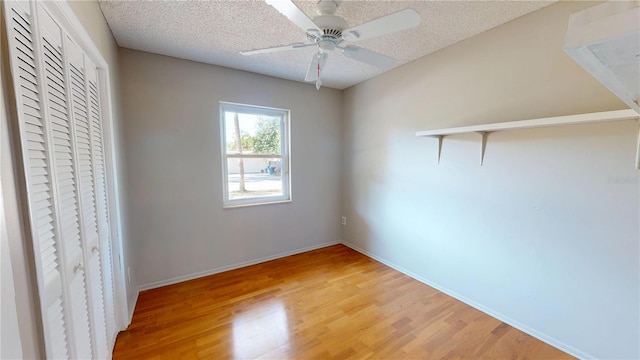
(78, 268)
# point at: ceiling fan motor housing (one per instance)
(331, 26)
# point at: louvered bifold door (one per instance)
(40, 75)
(58, 112)
(27, 78)
(102, 204)
(86, 184)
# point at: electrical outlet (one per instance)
(129, 274)
(344, 220)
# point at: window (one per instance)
(255, 155)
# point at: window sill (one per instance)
(235, 206)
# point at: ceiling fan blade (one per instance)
(297, 16)
(276, 49)
(368, 56)
(401, 20)
(316, 66)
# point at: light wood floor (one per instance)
(328, 303)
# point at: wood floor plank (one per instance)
(331, 303)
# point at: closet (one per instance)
(60, 105)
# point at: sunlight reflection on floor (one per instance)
(260, 330)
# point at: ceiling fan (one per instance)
(328, 31)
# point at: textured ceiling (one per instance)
(215, 32)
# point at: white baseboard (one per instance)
(179, 279)
(496, 314)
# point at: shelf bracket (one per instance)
(485, 135)
(440, 141)
(638, 149)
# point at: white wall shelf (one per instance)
(485, 129)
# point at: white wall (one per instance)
(171, 121)
(546, 234)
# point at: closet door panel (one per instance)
(86, 185)
(27, 80)
(56, 92)
(95, 125)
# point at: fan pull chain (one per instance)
(319, 82)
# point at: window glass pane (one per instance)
(259, 134)
(261, 177)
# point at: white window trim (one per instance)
(285, 157)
